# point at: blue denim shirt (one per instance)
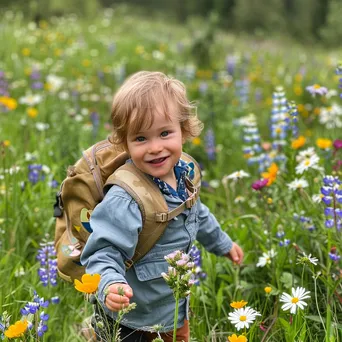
(116, 223)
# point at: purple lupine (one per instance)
(195, 255)
(210, 147)
(3, 84)
(32, 308)
(242, 91)
(35, 173)
(36, 82)
(48, 264)
(230, 64)
(339, 72)
(293, 111)
(306, 222)
(95, 121)
(332, 197)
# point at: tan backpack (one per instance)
(102, 166)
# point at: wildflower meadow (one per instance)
(271, 159)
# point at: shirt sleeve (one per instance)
(210, 234)
(116, 223)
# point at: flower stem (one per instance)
(175, 321)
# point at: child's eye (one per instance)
(140, 139)
(164, 134)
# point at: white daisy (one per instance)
(236, 175)
(30, 99)
(317, 198)
(243, 317)
(298, 184)
(302, 155)
(305, 259)
(239, 199)
(294, 301)
(266, 258)
(307, 163)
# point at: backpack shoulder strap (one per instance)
(150, 201)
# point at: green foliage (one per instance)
(331, 32)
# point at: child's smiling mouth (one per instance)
(157, 161)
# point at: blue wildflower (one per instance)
(48, 262)
(210, 144)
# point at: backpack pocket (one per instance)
(69, 250)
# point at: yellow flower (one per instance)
(32, 112)
(88, 284)
(269, 200)
(26, 52)
(6, 143)
(17, 329)
(8, 102)
(238, 305)
(298, 77)
(268, 289)
(300, 108)
(86, 62)
(271, 173)
(139, 50)
(298, 143)
(196, 141)
(317, 111)
(323, 143)
(235, 338)
(298, 90)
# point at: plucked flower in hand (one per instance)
(296, 300)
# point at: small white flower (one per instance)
(214, 183)
(317, 198)
(237, 175)
(294, 301)
(41, 126)
(243, 317)
(239, 199)
(298, 184)
(307, 259)
(307, 163)
(302, 155)
(266, 258)
(30, 99)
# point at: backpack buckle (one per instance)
(129, 263)
(162, 217)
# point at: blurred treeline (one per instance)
(304, 20)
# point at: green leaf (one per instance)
(287, 280)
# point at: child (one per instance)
(152, 118)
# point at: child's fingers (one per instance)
(116, 288)
(116, 302)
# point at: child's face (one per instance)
(156, 150)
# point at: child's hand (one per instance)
(235, 254)
(118, 296)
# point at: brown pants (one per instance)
(130, 335)
(181, 335)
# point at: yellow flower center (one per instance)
(316, 86)
(243, 318)
(295, 300)
(307, 162)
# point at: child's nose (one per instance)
(155, 147)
